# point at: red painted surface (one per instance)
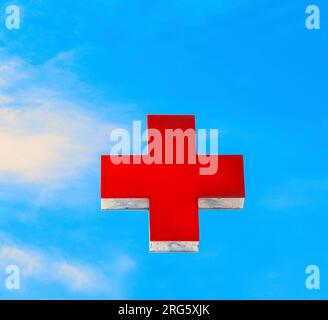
(173, 189)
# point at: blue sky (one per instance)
(75, 70)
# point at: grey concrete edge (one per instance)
(173, 246)
(143, 204)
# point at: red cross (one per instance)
(172, 192)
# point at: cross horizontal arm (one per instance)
(225, 189)
(121, 178)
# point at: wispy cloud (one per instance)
(46, 136)
(38, 266)
(51, 137)
(77, 277)
(9, 70)
(28, 261)
(46, 144)
(5, 99)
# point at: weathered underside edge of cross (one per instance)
(171, 246)
(143, 203)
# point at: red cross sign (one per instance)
(173, 192)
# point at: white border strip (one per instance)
(124, 204)
(221, 203)
(173, 246)
(143, 203)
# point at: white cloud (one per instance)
(29, 262)
(77, 278)
(123, 264)
(72, 274)
(10, 70)
(46, 136)
(45, 144)
(5, 100)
